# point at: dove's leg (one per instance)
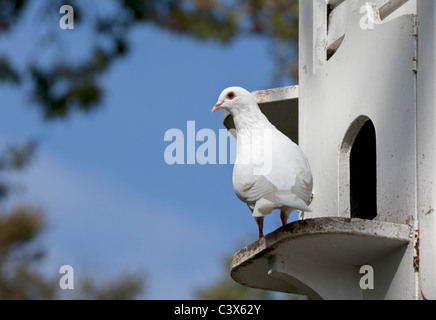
(259, 221)
(284, 216)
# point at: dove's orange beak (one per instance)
(217, 106)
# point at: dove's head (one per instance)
(234, 99)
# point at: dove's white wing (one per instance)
(249, 191)
(303, 185)
(259, 189)
(290, 170)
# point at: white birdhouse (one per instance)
(367, 122)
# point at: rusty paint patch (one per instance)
(416, 256)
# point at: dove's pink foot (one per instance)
(284, 217)
(260, 225)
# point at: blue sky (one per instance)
(113, 205)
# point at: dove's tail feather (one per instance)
(291, 200)
(263, 207)
(279, 199)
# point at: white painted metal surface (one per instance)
(426, 152)
(371, 75)
(321, 258)
(384, 11)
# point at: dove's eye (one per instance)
(231, 95)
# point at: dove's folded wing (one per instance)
(259, 189)
(303, 185)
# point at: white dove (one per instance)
(270, 171)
